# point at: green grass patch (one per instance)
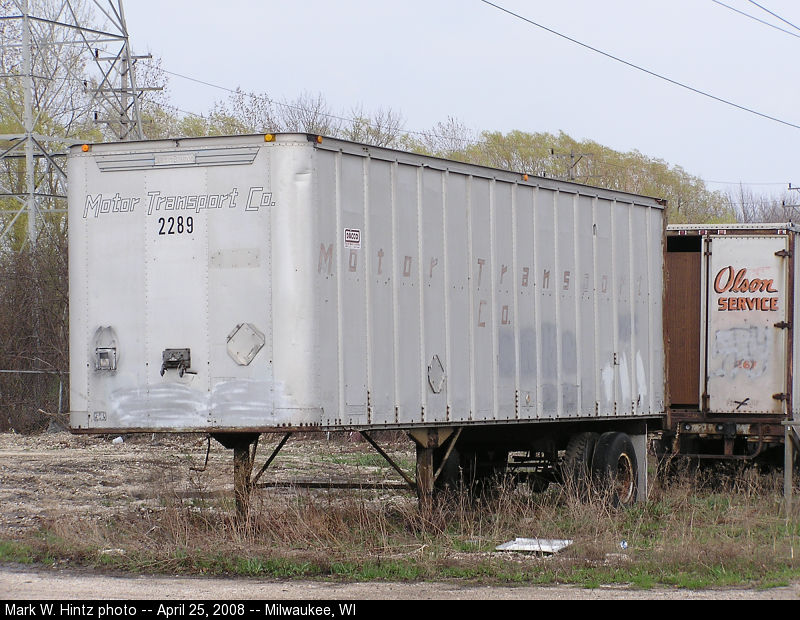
(13, 551)
(364, 459)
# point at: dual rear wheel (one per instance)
(602, 465)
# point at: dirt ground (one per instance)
(55, 474)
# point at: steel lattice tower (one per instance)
(64, 79)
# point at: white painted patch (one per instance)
(741, 351)
(607, 376)
(625, 379)
(641, 377)
(231, 402)
(247, 402)
(170, 405)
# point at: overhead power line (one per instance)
(271, 101)
(742, 182)
(643, 69)
(407, 131)
(753, 17)
(254, 96)
(766, 10)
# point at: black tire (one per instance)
(615, 470)
(576, 470)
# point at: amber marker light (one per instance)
(524, 177)
(85, 148)
(319, 139)
(269, 138)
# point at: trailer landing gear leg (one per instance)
(242, 467)
(428, 440)
(425, 478)
(243, 457)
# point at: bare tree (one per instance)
(308, 114)
(450, 138)
(383, 127)
(254, 112)
(753, 208)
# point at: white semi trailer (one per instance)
(242, 285)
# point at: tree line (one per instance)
(555, 155)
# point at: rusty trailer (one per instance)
(730, 313)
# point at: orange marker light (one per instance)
(85, 148)
(524, 177)
(319, 139)
(269, 138)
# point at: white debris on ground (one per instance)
(536, 545)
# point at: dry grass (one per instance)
(698, 530)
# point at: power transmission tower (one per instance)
(58, 70)
(790, 206)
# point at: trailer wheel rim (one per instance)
(625, 480)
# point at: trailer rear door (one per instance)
(746, 321)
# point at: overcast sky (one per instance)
(430, 59)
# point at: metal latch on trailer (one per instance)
(105, 358)
(178, 359)
(105, 349)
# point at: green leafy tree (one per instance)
(588, 162)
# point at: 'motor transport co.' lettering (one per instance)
(98, 204)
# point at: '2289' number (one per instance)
(175, 225)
